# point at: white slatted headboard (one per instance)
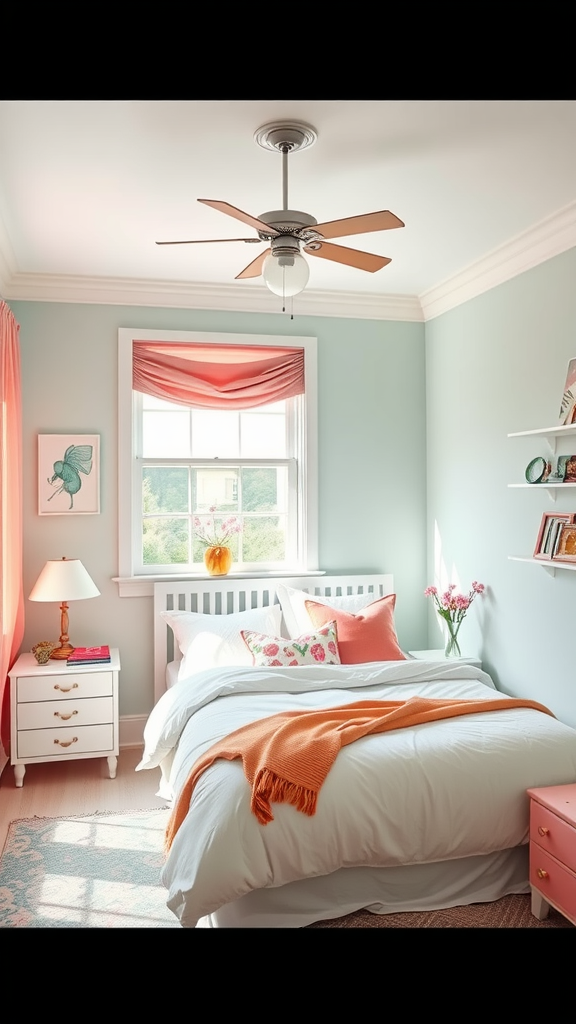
(222, 595)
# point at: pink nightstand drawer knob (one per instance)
(543, 831)
(542, 873)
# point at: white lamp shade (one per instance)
(285, 275)
(64, 579)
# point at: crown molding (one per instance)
(184, 295)
(548, 238)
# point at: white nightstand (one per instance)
(58, 712)
(440, 656)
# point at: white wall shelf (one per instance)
(552, 489)
(550, 566)
(552, 435)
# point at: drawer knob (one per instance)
(542, 873)
(66, 689)
(66, 743)
(542, 831)
(59, 714)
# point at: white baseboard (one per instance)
(132, 730)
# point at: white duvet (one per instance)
(447, 789)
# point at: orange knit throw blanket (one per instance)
(286, 757)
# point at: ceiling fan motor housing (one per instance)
(287, 223)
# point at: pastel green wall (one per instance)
(372, 472)
(495, 365)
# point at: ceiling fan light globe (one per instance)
(285, 275)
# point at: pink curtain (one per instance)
(217, 376)
(11, 592)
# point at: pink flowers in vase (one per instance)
(214, 532)
(452, 607)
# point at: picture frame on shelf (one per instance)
(570, 470)
(561, 467)
(68, 474)
(549, 533)
(566, 546)
(568, 404)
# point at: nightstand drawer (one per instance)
(552, 834)
(66, 686)
(558, 886)
(49, 714)
(63, 741)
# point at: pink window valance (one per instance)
(217, 376)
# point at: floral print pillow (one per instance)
(319, 648)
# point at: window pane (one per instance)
(263, 490)
(215, 434)
(166, 434)
(262, 436)
(165, 489)
(263, 539)
(150, 402)
(165, 541)
(216, 488)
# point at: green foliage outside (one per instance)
(165, 535)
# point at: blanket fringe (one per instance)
(270, 787)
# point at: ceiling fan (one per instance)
(282, 266)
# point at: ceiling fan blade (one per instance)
(233, 211)
(198, 241)
(351, 257)
(381, 221)
(253, 269)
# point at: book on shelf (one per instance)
(89, 655)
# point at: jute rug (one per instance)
(103, 871)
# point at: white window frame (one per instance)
(131, 584)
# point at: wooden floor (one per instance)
(77, 787)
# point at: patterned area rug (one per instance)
(94, 871)
(103, 871)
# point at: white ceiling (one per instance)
(87, 187)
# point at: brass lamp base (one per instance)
(65, 649)
(62, 652)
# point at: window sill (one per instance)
(143, 586)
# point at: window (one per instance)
(176, 461)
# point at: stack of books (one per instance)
(89, 656)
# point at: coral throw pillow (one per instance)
(320, 648)
(369, 635)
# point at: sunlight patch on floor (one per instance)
(93, 903)
(109, 834)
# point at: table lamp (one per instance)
(63, 580)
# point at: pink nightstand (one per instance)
(553, 850)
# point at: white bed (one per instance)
(426, 817)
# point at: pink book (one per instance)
(83, 655)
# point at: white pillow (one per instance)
(210, 641)
(296, 616)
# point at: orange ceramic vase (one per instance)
(218, 560)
